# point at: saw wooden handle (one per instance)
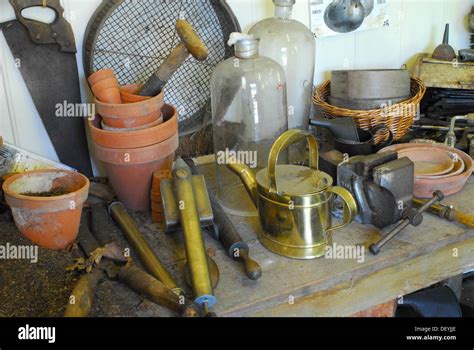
(58, 32)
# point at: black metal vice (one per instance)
(382, 185)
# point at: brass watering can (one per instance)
(294, 202)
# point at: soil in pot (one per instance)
(56, 192)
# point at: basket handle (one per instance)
(387, 143)
(287, 139)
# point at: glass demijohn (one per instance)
(249, 112)
(292, 45)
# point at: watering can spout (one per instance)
(247, 177)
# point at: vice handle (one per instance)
(350, 206)
(287, 139)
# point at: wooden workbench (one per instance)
(417, 258)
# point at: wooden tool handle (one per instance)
(158, 80)
(251, 267)
(191, 40)
(191, 44)
(82, 297)
(464, 219)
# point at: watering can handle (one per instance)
(350, 206)
(287, 139)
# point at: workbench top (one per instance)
(417, 258)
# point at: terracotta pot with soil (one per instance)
(47, 205)
(131, 115)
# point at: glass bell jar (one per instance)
(249, 112)
(292, 45)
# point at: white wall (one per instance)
(416, 26)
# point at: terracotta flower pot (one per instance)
(157, 217)
(130, 115)
(128, 94)
(139, 138)
(130, 171)
(425, 187)
(47, 205)
(110, 95)
(107, 91)
(132, 122)
(159, 176)
(155, 197)
(102, 74)
(156, 207)
(147, 126)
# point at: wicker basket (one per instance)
(398, 117)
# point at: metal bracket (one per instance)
(470, 138)
(58, 32)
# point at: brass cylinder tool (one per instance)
(191, 44)
(147, 256)
(411, 217)
(447, 212)
(226, 233)
(193, 239)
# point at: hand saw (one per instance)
(46, 56)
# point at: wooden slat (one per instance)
(352, 296)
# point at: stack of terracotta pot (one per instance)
(133, 135)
